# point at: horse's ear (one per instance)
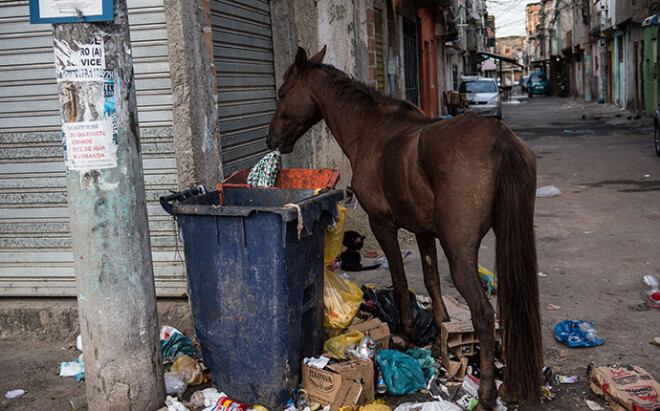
(301, 58)
(318, 57)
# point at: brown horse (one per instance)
(449, 179)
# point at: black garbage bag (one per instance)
(381, 303)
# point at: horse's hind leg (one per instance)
(428, 253)
(461, 250)
(386, 235)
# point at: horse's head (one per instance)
(297, 111)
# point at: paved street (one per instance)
(595, 241)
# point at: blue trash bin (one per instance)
(255, 283)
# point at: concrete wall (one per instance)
(194, 93)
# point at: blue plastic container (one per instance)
(256, 288)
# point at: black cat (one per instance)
(350, 259)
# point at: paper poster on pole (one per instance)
(80, 61)
(90, 145)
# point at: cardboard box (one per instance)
(626, 387)
(378, 330)
(347, 383)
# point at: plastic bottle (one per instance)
(367, 347)
(381, 387)
(651, 290)
(78, 403)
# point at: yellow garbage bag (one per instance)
(334, 236)
(341, 301)
(336, 347)
(378, 405)
(192, 371)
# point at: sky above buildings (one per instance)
(509, 16)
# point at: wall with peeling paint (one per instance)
(341, 26)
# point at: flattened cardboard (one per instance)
(626, 387)
(348, 383)
(378, 330)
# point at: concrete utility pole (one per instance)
(108, 215)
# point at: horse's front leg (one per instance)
(428, 253)
(386, 235)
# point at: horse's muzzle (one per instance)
(273, 141)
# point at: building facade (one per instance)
(604, 51)
(207, 72)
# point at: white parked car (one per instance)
(483, 96)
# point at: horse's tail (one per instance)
(518, 289)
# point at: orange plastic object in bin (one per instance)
(301, 178)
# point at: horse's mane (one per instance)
(362, 95)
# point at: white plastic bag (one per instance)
(174, 383)
(547, 191)
(428, 406)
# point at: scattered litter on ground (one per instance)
(546, 392)
(175, 343)
(577, 334)
(14, 394)
(656, 341)
(205, 398)
(173, 404)
(378, 405)
(174, 383)
(593, 405)
(564, 379)
(651, 290)
(190, 369)
(385, 265)
(381, 303)
(543, 275)
(553, 307)
(79, 342)
(74, 368)
(428, 406)
(547, 191)
(624, 386)
(647, 175)
(425, 360)
(317, 362)
(78, 403)
(488, 280)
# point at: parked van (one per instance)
(538, 84)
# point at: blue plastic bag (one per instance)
(577, 334)
(425, 361)
(177, 344)
(401, 372)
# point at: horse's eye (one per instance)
(281, 94)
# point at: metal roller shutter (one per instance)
(243, 55)
(35, 245)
